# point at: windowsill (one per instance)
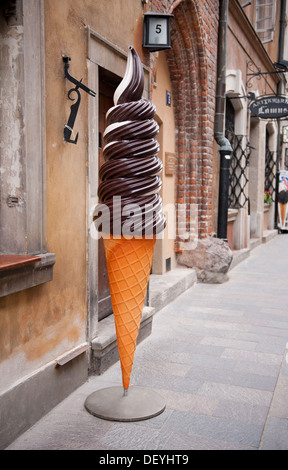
(20, 272)
(14, 261)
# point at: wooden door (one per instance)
(107, 86)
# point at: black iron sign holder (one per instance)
(68, 128)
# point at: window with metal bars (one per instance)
(238, 179)
(270, 169)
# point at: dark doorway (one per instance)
(108, 82)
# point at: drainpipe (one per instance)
(279, 90)
(219, 124)
(282, 30)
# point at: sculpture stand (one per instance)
(116, 404)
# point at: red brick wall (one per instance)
(192, 64)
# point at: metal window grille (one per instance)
(238, 179)
(270, 172)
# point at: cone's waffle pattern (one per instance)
(282, 213)
(128, 264)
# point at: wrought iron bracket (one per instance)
(68, 128)
(281, 67)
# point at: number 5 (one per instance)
(158, 28)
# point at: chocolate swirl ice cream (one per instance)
(130, 180)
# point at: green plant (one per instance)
(268, 198)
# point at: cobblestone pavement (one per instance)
(218, 357)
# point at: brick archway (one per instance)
(192, 66)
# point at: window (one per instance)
(265, 19)
(22, 148)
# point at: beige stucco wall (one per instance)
(245, 48)
(39, 324)
(271, 47)
(165, 115)
(242, 46)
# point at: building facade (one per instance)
(256, 38)
(54, 295)
(55, 321)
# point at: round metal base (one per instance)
(135, 405)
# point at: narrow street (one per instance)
(217, 355)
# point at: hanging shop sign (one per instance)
(270, 107)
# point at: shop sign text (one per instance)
(270, 107)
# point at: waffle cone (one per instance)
(128, 264)
(282, 213)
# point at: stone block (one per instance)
(211, 258)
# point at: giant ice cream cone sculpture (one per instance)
(131, 206)
(283, 199)
(129, 263)
(282, 213)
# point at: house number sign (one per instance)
(156, 31)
